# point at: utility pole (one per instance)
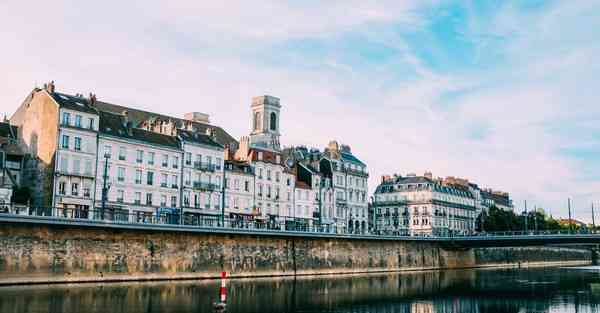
(525, 215)
(593, 218)
(105, 185)
(570, 222)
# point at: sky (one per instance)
(504, 93)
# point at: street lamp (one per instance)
(106, 185)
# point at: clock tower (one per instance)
(265, 123)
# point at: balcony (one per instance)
(205, 186)
(174, 186)
(389, 202)
(202, 166)
(164, 185)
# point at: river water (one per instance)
(505, 290)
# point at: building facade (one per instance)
(422, 206)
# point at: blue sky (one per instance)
(504, 93)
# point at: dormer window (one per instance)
(260, 155)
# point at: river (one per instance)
(480, 290)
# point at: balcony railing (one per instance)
(202, 166)
(205, 186)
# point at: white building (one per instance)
(239, 193)
(349, 178)
(419, 205)
(143, 171)
(202, 175)
(75, 165)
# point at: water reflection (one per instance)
(477, 291)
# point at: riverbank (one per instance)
(42, 254)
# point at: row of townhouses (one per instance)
(422, 205)
(87, 158)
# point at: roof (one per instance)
(351, 158)
(268, 156)
(302, 185)
(238, 166)
(400, 184)
(74, 103)
(8, 131)
(197, 137)
(113, 125)
(139, 116)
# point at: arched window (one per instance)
(257, 121)
(273, 121)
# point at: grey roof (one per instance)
(113, 125)
(74, 103)
(139, 116)
(197, 137)
(8, 131)
(351, 158)
(426, 183)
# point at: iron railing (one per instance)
(272, 223)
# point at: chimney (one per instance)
(428, 175)
(197, 117)
(50, 87)
(125, 118)
(92, 99)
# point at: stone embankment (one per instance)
(36, 253)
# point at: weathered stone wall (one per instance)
(45, 253)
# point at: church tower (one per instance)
(265, 122)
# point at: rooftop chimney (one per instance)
(125, 118)
(428, 175)
(197, 117)
(92, 99)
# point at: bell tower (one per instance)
(265, 122)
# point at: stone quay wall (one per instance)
(44, 253)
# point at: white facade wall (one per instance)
(203, 168)
(75, 162)
(239, 193)
(143, 177)
(274, 189)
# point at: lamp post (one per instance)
(570, 221)
(105, 185)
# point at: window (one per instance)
(289, 182)
(120, 196)
(277, 176)
(188, 178)
(61, 188)
(173, 201)
(188, 158)
(163, 200)
(149, 199)
(150, 158)
(174, 181)
(138, 176)
(65, 142)
(77, 144)
(75, 189)
(260, 173)
(137, 198)
(165, 160)
(175, 162)
(268, 191)
(91, 123)
(86, 191)
(150, 178)
(218, 165)
(139, 156)
(121, 174)
(163, 180)
(268, 174)
(273, 121)
(88, 167)
(246, 186)
(122, 153)
(77, 120)
(66, 118)
(208, 160)
(76, 166)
